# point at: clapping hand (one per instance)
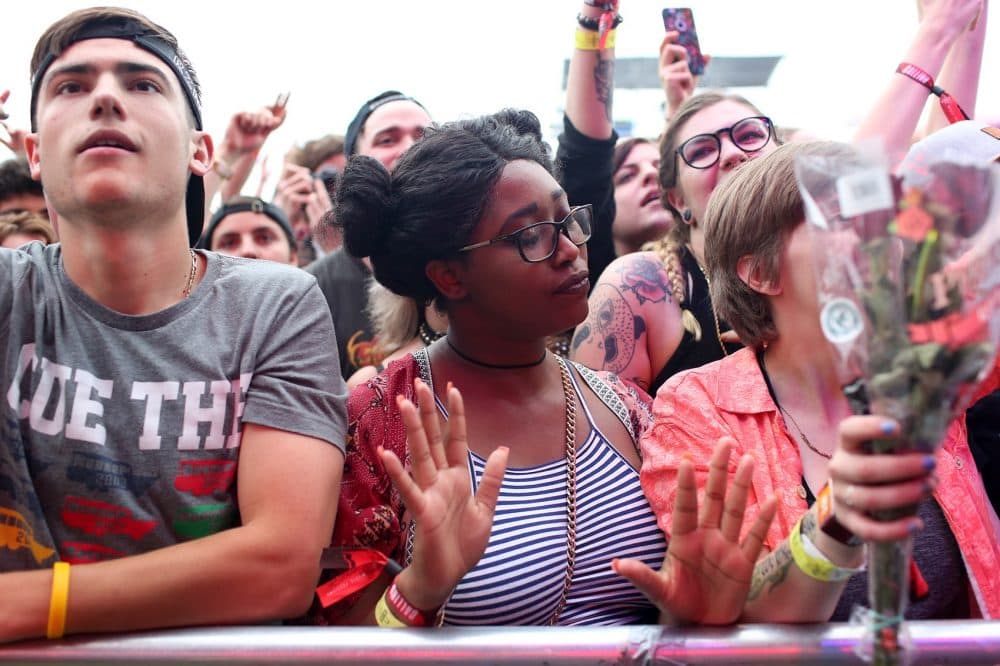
(706, 573)
(452, 525)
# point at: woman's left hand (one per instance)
(706, 573)
(864, 483)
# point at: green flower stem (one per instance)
(918, 280)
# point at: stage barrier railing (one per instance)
(968, 643)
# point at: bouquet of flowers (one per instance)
(907, 275)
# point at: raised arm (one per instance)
(14, 139)
(897, 110)
(245, 135)
(591, 80)
(261, 571)
(675, 74)
(586, 146)
(960, 73)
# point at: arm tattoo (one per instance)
(581, 335)
(771, 571)
(809, 524)
(604, 82)
(611, 327)
(647, 279)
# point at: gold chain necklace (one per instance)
(570, 490)
(787, 415)
(191, 274)
(570, 496)
(711, 305)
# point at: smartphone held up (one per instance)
(681, 20)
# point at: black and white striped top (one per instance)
(520, 577)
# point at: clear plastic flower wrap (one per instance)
(907, 275)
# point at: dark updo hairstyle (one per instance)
(439, 190)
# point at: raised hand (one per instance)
(675, 76)
(954, 15)
(706, 573)
(303, 197)
(248, 130)
(15, 136)
(452, 526)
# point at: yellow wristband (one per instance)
(385, 617)
(588, 40)
(812, 562)
(59, 600)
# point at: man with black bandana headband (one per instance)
(383, 128)
(142, 378)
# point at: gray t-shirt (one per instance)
(120, 434)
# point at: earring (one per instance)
(686, 215)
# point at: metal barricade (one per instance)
(940, 642)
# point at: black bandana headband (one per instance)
(131, 30)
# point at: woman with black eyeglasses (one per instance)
(520, 493)
(650, 312)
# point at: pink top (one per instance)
(730, 397)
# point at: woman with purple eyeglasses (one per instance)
(650, 312)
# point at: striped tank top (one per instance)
(521, 575)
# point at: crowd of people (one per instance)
(410, 386)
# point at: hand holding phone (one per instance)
(681, 20)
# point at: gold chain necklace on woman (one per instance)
(568, 394)
(711, 305)
(570, 490)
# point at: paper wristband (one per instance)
(385, 617)
(587, 40)
(812, 562)
(58, 601)
(410, 614)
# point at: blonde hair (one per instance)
(23, 222)
(395, 318)
(668, 250)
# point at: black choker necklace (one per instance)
(496, 366)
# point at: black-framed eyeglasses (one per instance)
(749, 135)
(537, 242)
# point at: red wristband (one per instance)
(951, 109)
(406, 611)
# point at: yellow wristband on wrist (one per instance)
(384, 617)
(812, 562)
(588, 40)
(58, 601)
